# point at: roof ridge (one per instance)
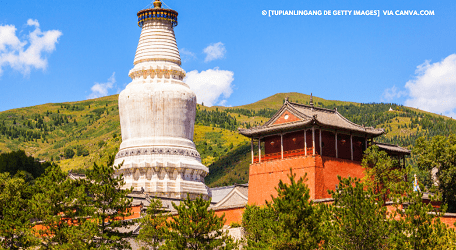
(312, 107)
(277, 114)
(357, 125)
(224, 187)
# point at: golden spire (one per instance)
(157, 4)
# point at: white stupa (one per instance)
(157, 115)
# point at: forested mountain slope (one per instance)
(78, 134)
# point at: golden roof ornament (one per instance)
(157, 4)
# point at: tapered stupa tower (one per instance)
(157, 115)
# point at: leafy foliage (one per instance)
(259, 225)
(419, 225)
(18, 161)
(153, 225)
(15, 226)
(383, 174)
(216, 118)
(290, 221)
(59, 205)
(440, 153)
(110, 206)
(357, 220)
(197, 227)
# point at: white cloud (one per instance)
(212, 86)
(392, 93)
(214, 51)
(434, 87)
(101, 89)
(31, 22)
(13, 51)
(186, 55)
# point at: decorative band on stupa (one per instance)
(157, 13)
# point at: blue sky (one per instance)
(60, 51)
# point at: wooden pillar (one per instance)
(321, 149)
(305, 141)
(259, 149)
(251, 148)
(365, 142)
(351, 146)
(313, 140)
(281, 144)
(337, 151)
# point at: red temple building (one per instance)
(309, 140)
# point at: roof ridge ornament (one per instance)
(157, 4)
(311, 100)
(286, 99)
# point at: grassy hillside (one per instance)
(90, 130)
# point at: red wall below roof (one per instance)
(231, 214)
(321, 175)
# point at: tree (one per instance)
(110, 206)
(420, 225)
(290, 221)
(440, 153)
(258, 223)
(153, 225)
(15, 226)
(356, 220)
(61, 211)
(416, 225)
(197, 227)
(68, 153)
(18, 161)
(383, 174)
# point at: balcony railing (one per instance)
(286, 154)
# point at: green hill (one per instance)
(78, 134)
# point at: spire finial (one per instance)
(157, 4)
(311, 100)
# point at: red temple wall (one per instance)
(321, 172)
(328, 143)
(265, 176)
(272, 148)
(332, 167)
(449, 219)
(309, 138)
(358, 148)
(231, 214)
(289, 144)
(343, 146)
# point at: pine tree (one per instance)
(110, 206)
(60, 209)
(197, 227)
(383, 174)
(258, 223)
(15, 226)
(439, 153)
(420, 226)
(356, 220)
(153, 225)
(290, 221)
